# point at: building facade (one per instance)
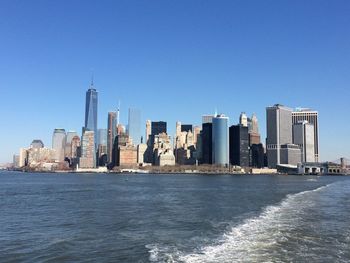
(304, 137)
(134, 125)
(91, 110)
(312, 117)
(59, 143)
(111, 133)
(279, 132)
(239, 145)
(220, 140)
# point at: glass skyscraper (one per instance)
(220, 151)
(59, 143)
(91, 110)
(134, 125)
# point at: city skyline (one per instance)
(217, 56)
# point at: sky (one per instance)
(175, 61)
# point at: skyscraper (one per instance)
(148, 130)
(88, 154)
(253, 129)
(91, 110)
(243, 119)
(311, 116)
(239, 145)
(134, 125)
(59, 143)
(304, 136)
(69, 137)
(279, 132)
(158, 127)
(111, 133)
(220, 139)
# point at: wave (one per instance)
(257, 239)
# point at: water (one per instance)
(173, 218)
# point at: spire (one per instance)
(92, 79)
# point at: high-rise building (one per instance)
(207, 118)
(243, 119)
(37, 144)
(111, 133)
(257, 155)
(91, 110)
(220, 139)
(88, 154)
(186, 127)
(59, 143)
(311, 116)
(102, 137)
(207, 143)
(69, 137)
(279, 132)
(239, 145)
(158, 127)
(134, 125)
(148, 130)
(304, 136)
(253, 129)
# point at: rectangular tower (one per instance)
(279, 132)
(312, 117)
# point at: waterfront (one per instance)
(173, 218)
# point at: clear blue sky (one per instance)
(175, 60)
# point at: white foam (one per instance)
(255, 240)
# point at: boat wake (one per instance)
(257, 239)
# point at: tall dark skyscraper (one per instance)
(91, 110)
(158, 127)
(239, 145)
(206, 139)
(186, 127)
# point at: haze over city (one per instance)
(174, 61)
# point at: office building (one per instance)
(91, 111)
(304, 136)
(111, 133)
(243, 119)
(207, 143)
(134, 125)
(186, 127)
(148, 130)
(158, 127)
(220, 140)
(88, 153)
(279, 132)
(253, 129)
(257, 155)
(37, 144)
(68, 145)
(311, 116)
(290, 154)
(239, 145)
(59, 143)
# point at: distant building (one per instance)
(207, 143)
(16, 161)
(257, 156)
(141, 151)
(207, 118)
(304, 137)
(290, 154)
(134, 125)
(111, 133)
(88, 154)
(59, 143)
(127, 155)
(279, 132)
(186, 127)
(158, 127)
(37, 144)
(220, 140)
(253, 129)
(162, 150)
(243, 119)
(68, 145)
(121, 140)
(239, 145)
(312, 117)
(91, 111)
(148, 130)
